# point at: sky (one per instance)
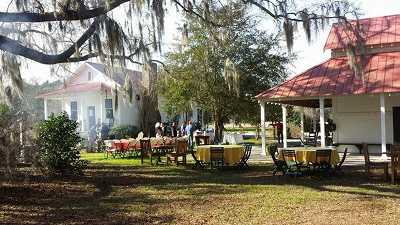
(308, 54)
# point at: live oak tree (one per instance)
(261, 65)
(57, 32)
(64, 31)
(119, 31)
(221, 70)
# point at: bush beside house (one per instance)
(58, 142)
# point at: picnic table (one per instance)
(232, 153)
(308, 154)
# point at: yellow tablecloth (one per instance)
(232, 153)
(308, 155)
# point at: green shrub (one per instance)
(57, 141)
(124, 131)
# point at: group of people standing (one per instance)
(186, 129)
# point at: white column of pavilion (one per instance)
(322, 120)
(383, 124)
(314, 120)
(263, 133)
(284, 121)
(302, 123)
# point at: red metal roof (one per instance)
(375, 31)
(93, 86)
(334, 77)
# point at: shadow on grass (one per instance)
(52, 201)
(110, 194)
(354, 178)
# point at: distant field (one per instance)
(244, 129)
(251, 139)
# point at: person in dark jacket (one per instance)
(279, 132)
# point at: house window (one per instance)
(74, 111)
(109, 109)
(90, 76)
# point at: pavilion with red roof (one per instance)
(366, 108)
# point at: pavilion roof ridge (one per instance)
(375, 30)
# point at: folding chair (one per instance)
(216, 157)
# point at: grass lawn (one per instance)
(101, 158)
(258, 142)
(120, 191)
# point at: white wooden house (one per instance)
(88, 97)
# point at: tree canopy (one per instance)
(221, 71)
(120, 31)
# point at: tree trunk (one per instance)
(219, 128)
(150, 113)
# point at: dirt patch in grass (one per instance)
(120, 194)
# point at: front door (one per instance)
(92, 123)
(396, 124)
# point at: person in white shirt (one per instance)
(189, 132)
(159, 132)
(183, 126)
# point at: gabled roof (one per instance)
(118, 74)
(375, 31)
(335, 77)
(85, 87)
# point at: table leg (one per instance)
(386, 170)
(392, 173)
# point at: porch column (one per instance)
(302, 123)
(82, 116)
(383, 124)
(322, 120)
(263, 141)
(284, 112)
(45, 108)
(101, 109)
